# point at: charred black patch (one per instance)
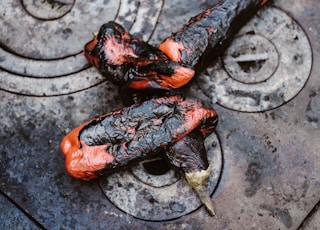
(189, 153)
(145, 129)
(158, 166)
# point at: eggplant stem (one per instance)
(95, 34)
(197, 180)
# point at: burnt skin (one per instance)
(189, 153)
(110, 142)
(208, 33)
(126, 60)
(116, 53)
(113, 141)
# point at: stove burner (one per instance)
(251, 59)
(159, 197)
(39, 63)
(313, 109)
(48, 10)
(157, 175)
(267, 65)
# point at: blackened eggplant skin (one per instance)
(207, 34)
(189, 153)
(126, 60)
(112, 141)
(189, 156)
(115, 53)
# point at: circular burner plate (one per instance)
(267, 65)
(163, 197)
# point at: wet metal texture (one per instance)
(264, 154)
(267, 64)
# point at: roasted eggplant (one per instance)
(126, 60)
(170, 125)
(113, 141)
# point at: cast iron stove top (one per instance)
(264, 154)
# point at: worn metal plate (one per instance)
(160, 197)
(269, 172)
(267, 65)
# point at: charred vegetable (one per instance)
(112, 141)
(126, 60)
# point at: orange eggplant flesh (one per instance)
(113, 141)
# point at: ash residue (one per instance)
(261, 160)
(313, 109)
(282, 214)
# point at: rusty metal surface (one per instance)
(265, 155)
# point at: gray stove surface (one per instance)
(264, 154)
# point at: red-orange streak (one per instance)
(182, 74)
(181, 77)
(140, 85)
(118, 53)
(172, 49)
(194, 117)
(93, 60)
(83, 161)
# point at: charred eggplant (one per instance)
(126, 60)
(169, 125)
(114, 140)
